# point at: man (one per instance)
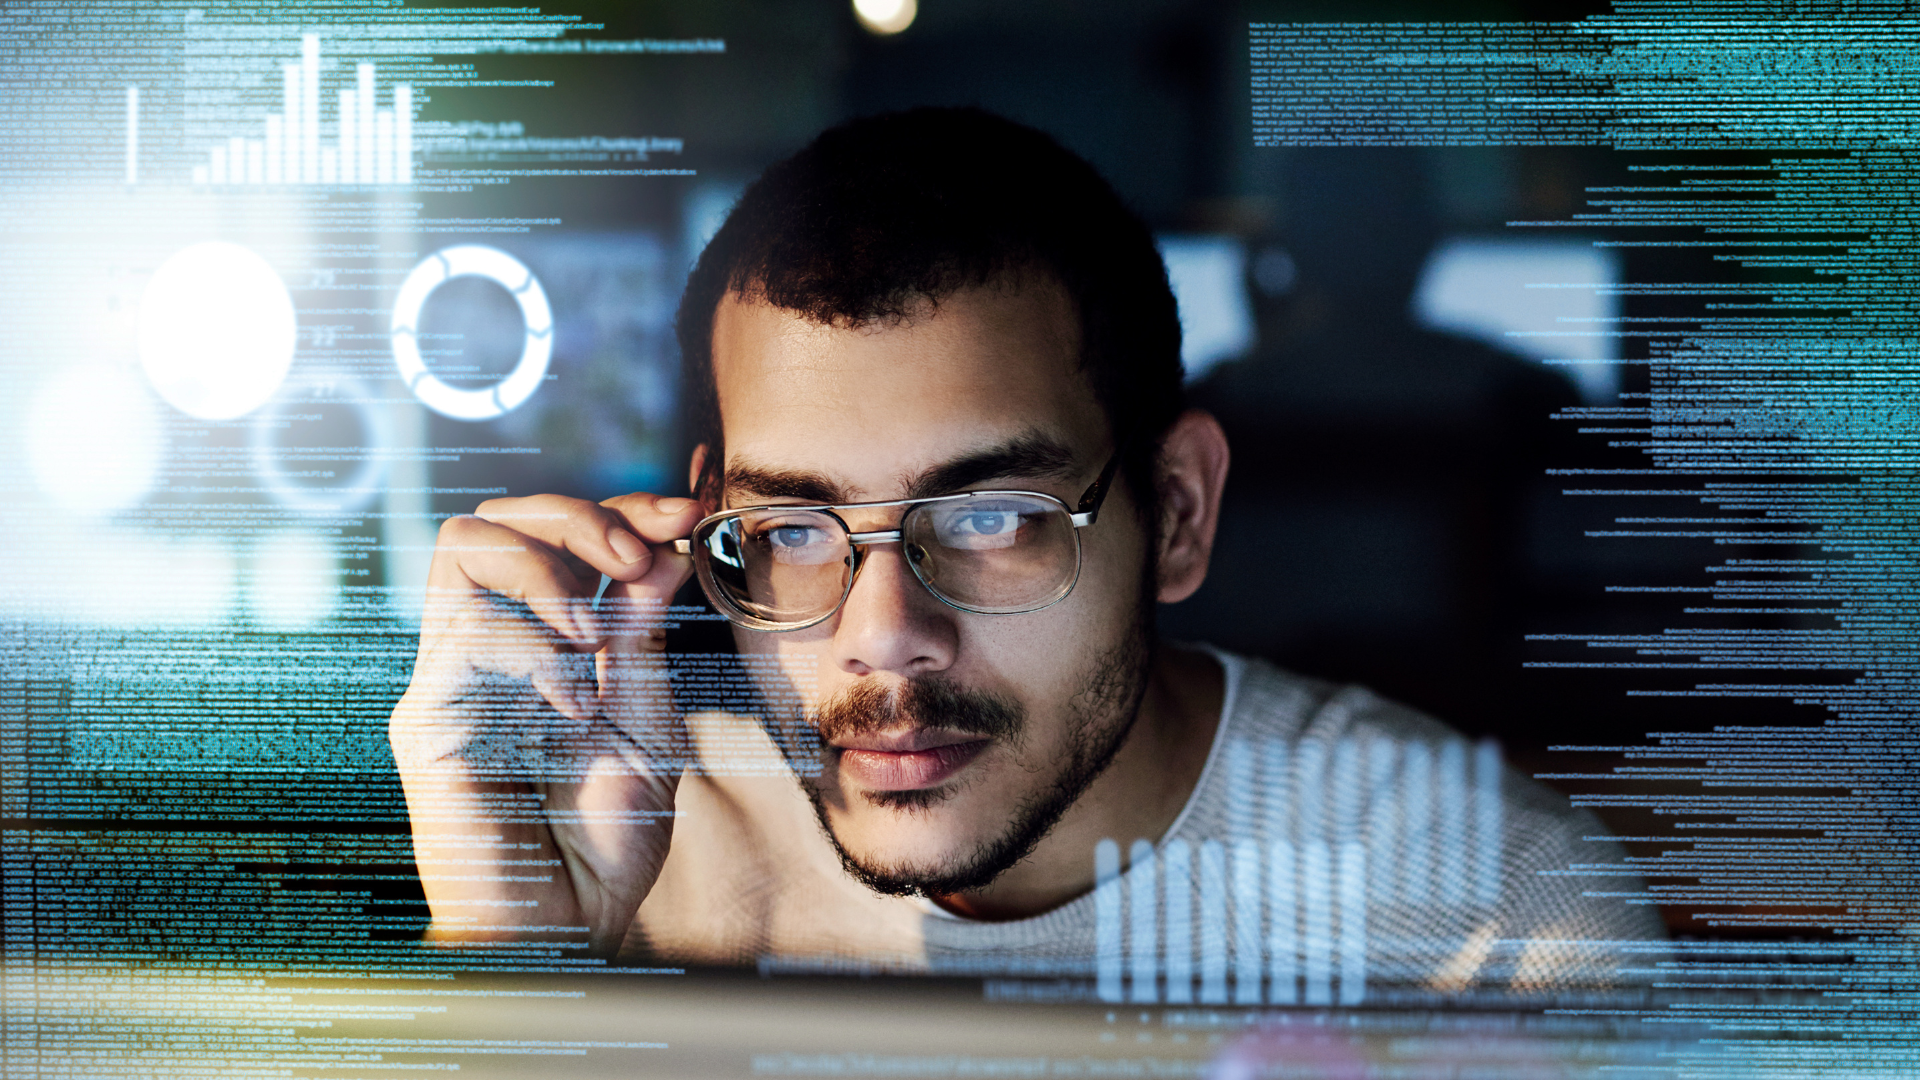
(943, 477)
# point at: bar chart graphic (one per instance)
(1319, 841)
(369, 143)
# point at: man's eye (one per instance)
(986, 523)
(798, 542)
(979, 528)
(793, 536)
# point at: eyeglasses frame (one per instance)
(1087, 513)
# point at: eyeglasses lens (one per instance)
(997, 555)
(778, 566)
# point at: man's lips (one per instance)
(906, 760)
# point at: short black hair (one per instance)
(882, 214)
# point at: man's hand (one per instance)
(537, 742)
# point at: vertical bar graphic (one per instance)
(1282, 911)
(1276, 784)
(1106, 920)
(1242, 803)
(1353, 923)
(1213, 923)
(349, 156)
(403, 134)
(1317, 938)
(383, 146)
(276, 147)
(133, 134)
(1176, 873)
(1383, 832)
(363, 98)
(1489, 823)
(371, 146)
(1247, 957)
(1316, 915)
(310, 163)
(291, 129)
(1347, 795)
(1143, 898)
(1283, 935)
(1309, 787)
(1416, 814)
(1451, 774)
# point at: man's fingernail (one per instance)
(586, 703)
(672, 506)
(626, 545)
(586, 625)
(569, 706)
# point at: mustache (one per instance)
(922, 703)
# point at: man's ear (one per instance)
(695, 468)
(1193, 473)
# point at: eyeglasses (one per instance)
(779, 568)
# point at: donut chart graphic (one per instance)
(481, 403)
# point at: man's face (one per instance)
(953, 740)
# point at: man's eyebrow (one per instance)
(751, 481)
(1029, 456)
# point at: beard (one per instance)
(1101, 713)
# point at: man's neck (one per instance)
(1139, 796)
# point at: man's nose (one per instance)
(890, 621)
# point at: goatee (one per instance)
(1101, 711)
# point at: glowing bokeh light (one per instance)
(886, 16)
(93, 440)
(216, 331)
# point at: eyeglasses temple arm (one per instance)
(1089, 511)
(884, 536)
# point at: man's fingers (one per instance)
(636, 691)
(633, 616)
(571, 693)
(477, 671)
(660, 521)
(475, 557)
(618, 543)
(510, 606)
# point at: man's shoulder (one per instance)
(1267, 701)
(1352, 730)
(1314, 762)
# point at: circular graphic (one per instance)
(359, 489)
(483, 403)
(216, 331)
(885, 17)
